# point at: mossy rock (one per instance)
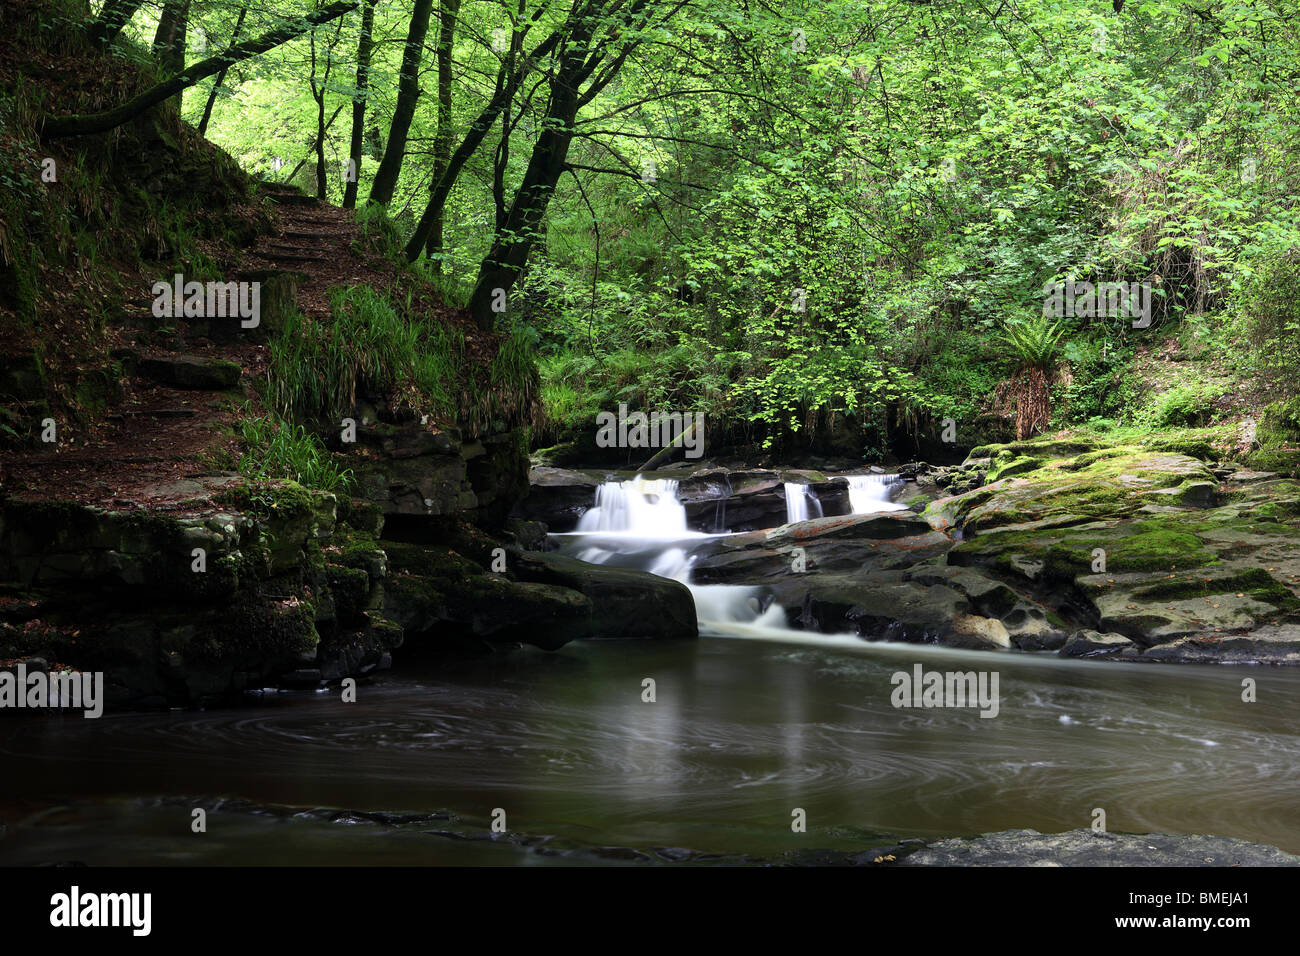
(1254, 582)
(1007, 464)
(1043, 447)
(1284, 461)
(357, 549)
(350, 588)
(1089, 459)
(439, 563)
(1192, 447)
(361, 515)
(1280, 424)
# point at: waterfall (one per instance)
(640, 523)
(644, 507)
(872, 493)
(797, 499)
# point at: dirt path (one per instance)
(164, 447)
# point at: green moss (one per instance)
(316, 563)
(1256, 583)
(1157, 550)
(1007, 464)
(432, 562)
(356, 549)
(416, 596)
(1280, 424)
(361, 515)
(389, 634)
(1282, 461)
(269, 498)
(1043, 447)
(1092, 457)
(351, 588)
(258, 628)
(1160, 550)
(1198, 448)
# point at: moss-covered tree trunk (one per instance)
(169, 40)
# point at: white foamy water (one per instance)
(869, 493)
(800, 503)
(640, 523)
(647, 507)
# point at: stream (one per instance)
(748, 723)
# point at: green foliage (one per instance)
(1189, 405)
(278, 449)
(379, 232)
(1269, 302)
(318, 371)
(1100, 393)
(834, 231)
(1280, 424)
(1033, 342)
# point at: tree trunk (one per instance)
(514, 240)
(442, 139)
(322, 186)
(169, 40)
(221, 77)
(356, 146)
(112, 18)
(303, 162)
(477, 132)
(408, 91)
(88, 124)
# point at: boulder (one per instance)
(557, 497)
(1089, 643)
(625, 603)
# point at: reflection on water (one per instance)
(744, 729)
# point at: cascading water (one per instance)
(869, 493)
(647, 508)
(640, 523)
(800, 503)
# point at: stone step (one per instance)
(293, 199)
(190, 371)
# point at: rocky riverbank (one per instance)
(220, 586)
(1082, 546)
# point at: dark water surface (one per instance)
(744, 730)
